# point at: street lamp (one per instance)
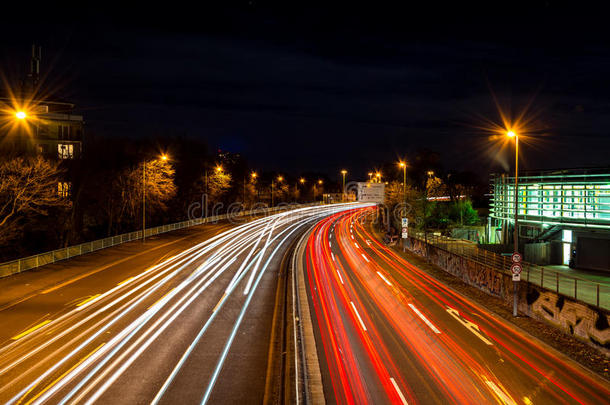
(403, 165)
(164, 158)
(370, 176)
(343, 172)
(512, 134)
(21, 115)
(279, 179)
(378, 177)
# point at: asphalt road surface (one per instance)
(389, 333)
(184, 323)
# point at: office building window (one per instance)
(65, 151)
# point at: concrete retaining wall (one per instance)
(586, 322)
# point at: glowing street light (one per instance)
(279, 179)
(512, 134)
(218, 168)
(343, 172)
(370, 176)
(164, 158)
(21, 115)
(253, 175)
(302, 180)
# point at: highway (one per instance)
(387, 332)
(191, 327)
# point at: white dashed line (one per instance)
(397, 388)
(424, 319)
(358, 315)
(384, 279)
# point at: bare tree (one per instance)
(124, 202)
(28, 186)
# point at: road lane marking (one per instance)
(48, 290)
(352, 236)
(469, 325)
(60, 377)
(87, 300)
(32, 329)
(368, 242)
(357, 247)
(424, 319)
(365, 258)
(500, 394)
(330, 244)
(384, 279)
(125, 281)
(333, 256)
(358, 315)
(397, 388)
(340, 278)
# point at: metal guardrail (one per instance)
(32, 262)
(590, 292)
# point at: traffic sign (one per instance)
(516, 257)
(405, 222)
(517, 277)
(515, 268)
(405, 233)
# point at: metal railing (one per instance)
(587, 291)
(32, 262)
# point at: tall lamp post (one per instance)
(253, 176)
(343, 172)
(403, 165)
(302, 181)
(163, 158)
(512, 134)
(279, 179)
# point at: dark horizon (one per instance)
(300, 89)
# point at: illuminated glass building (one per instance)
(564, 216)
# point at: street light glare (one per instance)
(20, 115)
(254, 175)
(280, 178)
(343, 171)
(219, 169)
(511, 134)
(402, 164)
(302, 180)
(163, 157)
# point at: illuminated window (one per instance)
(64, 189)
(65, 151)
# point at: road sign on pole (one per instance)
(516, 257)
(515, 268)
(405, 233)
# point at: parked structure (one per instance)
(564, 216)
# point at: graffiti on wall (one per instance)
(572, 317)
(469, 271)
(578, 319)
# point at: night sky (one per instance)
(304, 87)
